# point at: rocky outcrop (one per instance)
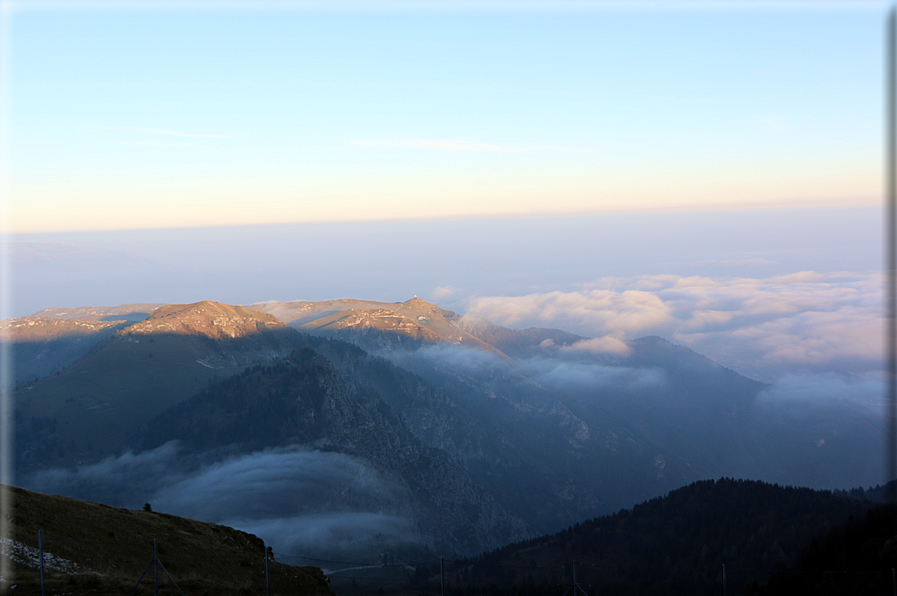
(380, 325)
(207, 319)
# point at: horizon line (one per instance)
(840, 203)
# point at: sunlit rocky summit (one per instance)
(413, 319)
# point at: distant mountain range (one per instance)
(392, 426)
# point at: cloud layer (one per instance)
(763, 327)
(295, 499)
(559, 374)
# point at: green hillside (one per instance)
(95, 549)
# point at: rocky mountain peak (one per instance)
(207, 318)
(417, 307)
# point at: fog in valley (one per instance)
(301, 501)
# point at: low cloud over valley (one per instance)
(804, 323)
(279, 494)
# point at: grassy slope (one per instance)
(113, 547)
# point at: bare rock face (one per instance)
(378, 319)
(380, 325)
(123, 312)
(206, 318)
(36, 328)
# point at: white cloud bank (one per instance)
(297, 500)
(807, 322)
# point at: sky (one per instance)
(710, 172)
(120, 116)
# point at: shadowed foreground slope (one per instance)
(96, 549)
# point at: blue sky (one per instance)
(224, 114)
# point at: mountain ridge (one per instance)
(524, 439)
(414, 319)
(205, 318)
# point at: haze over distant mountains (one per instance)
(394, 426)
(768, 292)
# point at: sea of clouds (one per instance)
(804, 323)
